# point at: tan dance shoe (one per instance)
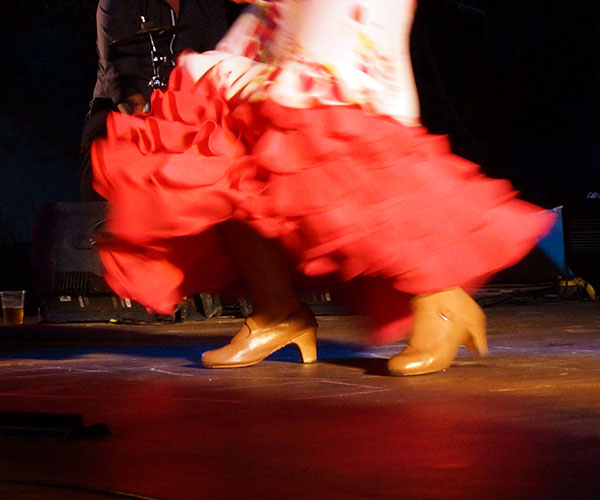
(252, 343)
(443, 321)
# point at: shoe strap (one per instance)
(251, 324)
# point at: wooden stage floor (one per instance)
(522, 423)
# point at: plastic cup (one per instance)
(13, 303)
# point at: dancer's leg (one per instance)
(266, 271)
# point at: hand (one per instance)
(132, 104)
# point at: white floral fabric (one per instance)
(302, 53)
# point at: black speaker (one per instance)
(67, 272)
(582, 238)
(581, 218)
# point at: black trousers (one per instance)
(95, 126)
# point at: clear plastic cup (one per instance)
(13, 303)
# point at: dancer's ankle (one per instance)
(272, 315)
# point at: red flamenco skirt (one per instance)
(356, 200)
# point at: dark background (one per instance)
(513, 82)
(516, 85)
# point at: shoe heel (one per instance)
(307, 344)
(476, 342)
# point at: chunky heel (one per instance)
(476, 342)
(307, 345)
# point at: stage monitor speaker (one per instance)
(582, 238)
(67, 272)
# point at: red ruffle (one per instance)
(352, 197)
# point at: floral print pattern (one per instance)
(300, 50)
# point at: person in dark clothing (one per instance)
(125, 72)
